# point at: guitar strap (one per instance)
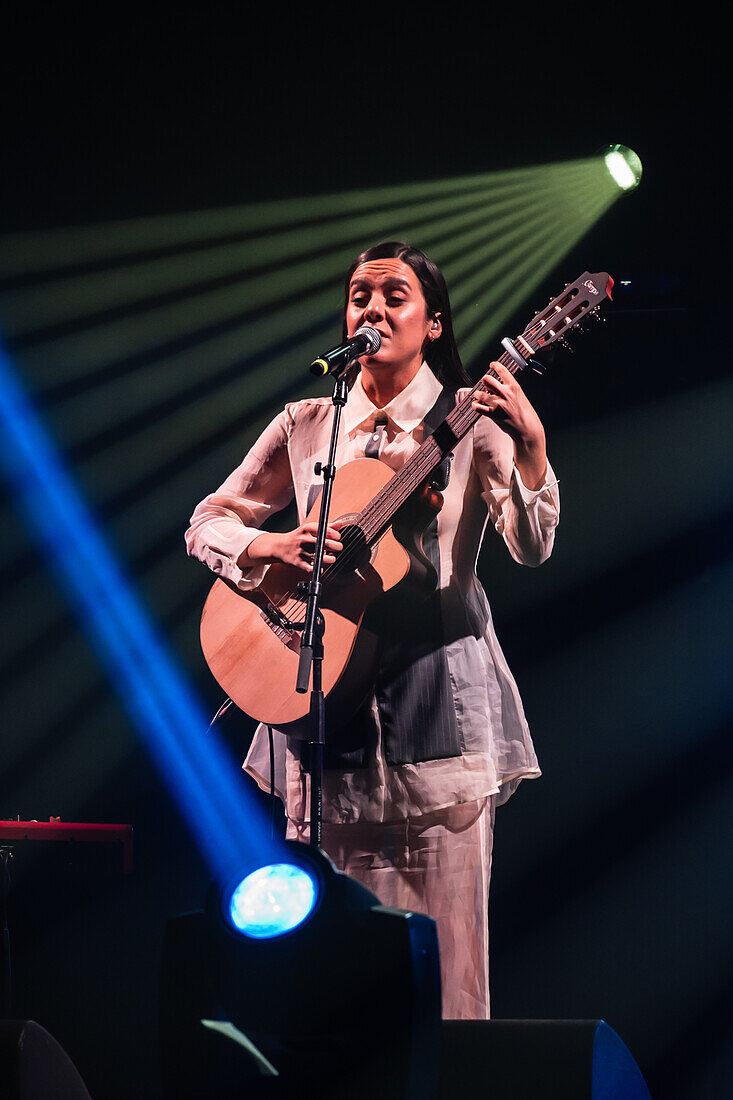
(375, 439)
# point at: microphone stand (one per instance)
(311, 642)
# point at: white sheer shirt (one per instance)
(497, 750)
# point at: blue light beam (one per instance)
(229, 827)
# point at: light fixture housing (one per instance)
(296, 967)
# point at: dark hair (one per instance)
(441, 355)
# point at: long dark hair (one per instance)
(441, 355)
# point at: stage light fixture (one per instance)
(251, 987)
(624, 166)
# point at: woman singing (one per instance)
(409, 799)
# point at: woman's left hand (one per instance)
(506, 403)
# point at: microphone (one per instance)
(365, 341)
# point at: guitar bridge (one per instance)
(278, 624)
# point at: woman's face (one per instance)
(387, 295)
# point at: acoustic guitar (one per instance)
(251, 640)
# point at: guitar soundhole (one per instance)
(355, 556)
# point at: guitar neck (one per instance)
(381, 510)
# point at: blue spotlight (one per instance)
(230, 830)
(303, 971)
(273, 900)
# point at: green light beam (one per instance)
(130, 458)
(183, 428)
(83, 415)
(73, 298)
(93, 349)
(27, 253)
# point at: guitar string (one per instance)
(418, 469)
(420, 466)
(423, 462)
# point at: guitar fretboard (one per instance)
(380, 511)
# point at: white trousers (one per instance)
(438, 864)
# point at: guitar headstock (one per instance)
(578, 300)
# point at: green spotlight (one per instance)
(623, 165)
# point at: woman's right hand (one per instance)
(292, 547)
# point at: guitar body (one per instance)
(255, 659)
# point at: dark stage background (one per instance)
(611, 891)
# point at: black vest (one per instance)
(412, 687)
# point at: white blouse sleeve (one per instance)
(525, 518)
(226, 522)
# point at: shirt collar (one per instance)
(405, 411)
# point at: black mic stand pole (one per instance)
(311, 641)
